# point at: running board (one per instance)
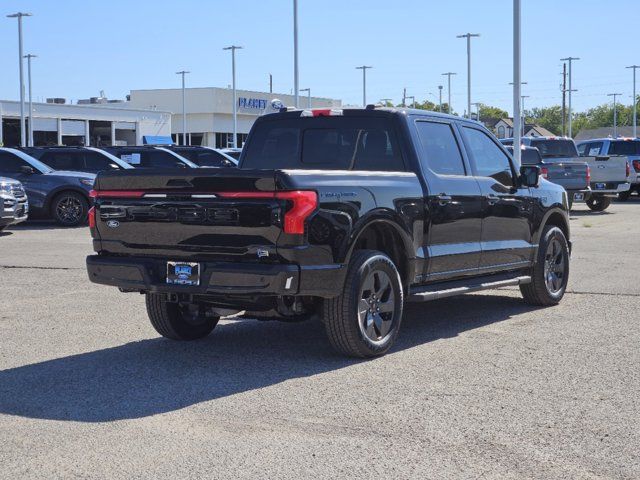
(434, 292)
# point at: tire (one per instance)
(2, 227)
(570, 200)
(598, 203)
(624, 196)
(544, 289)
(69, 209)
(364, 321)
(179, 321)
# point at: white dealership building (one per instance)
(209, 111)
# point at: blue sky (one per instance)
(85, 46)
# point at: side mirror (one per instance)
(27, 170)
(180, 165)
(529, 175)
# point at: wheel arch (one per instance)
(62, 189)
(557, 218)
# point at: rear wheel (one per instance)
(364, 320)
(550, 274)
(598, 203)
(179, 321)
(69, 209)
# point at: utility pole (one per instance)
(23, 133)
(296, 87)
(308, 90)
(270, 83)
(615, 113)
(524, 116)
(468, 36)
(564, 98)
(440, 98)
(570, 60)
(635, 102)
(364, 83)
(448, 74)
(233, 49)
(184, 108)
(404, 97)
(29, 56)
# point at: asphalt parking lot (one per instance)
(476, 386)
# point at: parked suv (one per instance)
(620, 148)
(77, 159)
(150, 157)
(204, 156)
(14, 207)
(344, 214)
(63, 196)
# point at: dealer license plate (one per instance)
(183, 273)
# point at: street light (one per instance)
(233, 49)
(184, 108)
(477, 105)
(413, 100)
(29, 56)
(524, 117)
(570, 60)
(364, 83)
(615, 113)
(295, 53)
(308, 90)
(635, 102)
(19, 16)
(468, 36)
(517, 82)
(385, 101)
(440, 98)
(448, 74)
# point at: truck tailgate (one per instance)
(607, 169)
(225, 214)
(570, 175)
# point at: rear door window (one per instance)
(439, 148)
(97, 162)
(63, 160)
(158, 159)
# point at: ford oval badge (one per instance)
(113, 224)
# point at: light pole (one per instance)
(448, 74)
(233, 49)
(184, 108)
(440, 98)
(413, 100)
(615, 113)
(385, 101)
(517, 82)
(29, 56)
(295, 53)
(477, 105)
(308, 90)
(19, 16)
(635, 102)
(364, 83)
(570, 60)
(468, 36)
(524, 117)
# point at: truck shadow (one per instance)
(154, 376)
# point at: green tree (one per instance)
(547, 117)
(487, 112)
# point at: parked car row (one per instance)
(57, 180)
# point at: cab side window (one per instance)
(10, 163)
(439, 148)
(489, 159)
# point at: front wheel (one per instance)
(598, 203)
(364, 320)
(179, 321)
(550, 273)
(69, 209)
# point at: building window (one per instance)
(501, 131)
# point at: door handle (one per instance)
(444, 199)
(492, 199)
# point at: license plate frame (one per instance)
(183, 273)
(578, 197)
(601, 186)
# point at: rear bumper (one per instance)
(611, 188)
(218, 278)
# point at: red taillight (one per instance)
(628, 169)
(304, 202)
(92, 217)
(544, 172)
(588, 175)
(636, 165)
(116, 193)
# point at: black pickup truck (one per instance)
(339, 214)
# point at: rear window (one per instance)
(624, 147)
(555, 148)
(326, 143)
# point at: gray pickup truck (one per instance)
(573, 176)
(13, 202)
(618, 149)
(609, 176)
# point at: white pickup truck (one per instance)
(618, 150)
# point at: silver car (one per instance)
(15, 206)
